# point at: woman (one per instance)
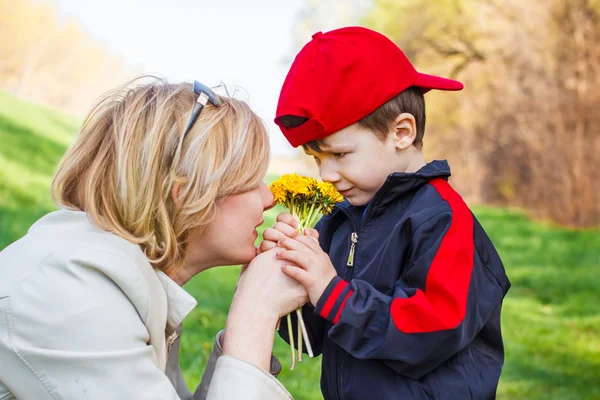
(163, 182)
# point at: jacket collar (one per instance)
(399, 184)
(179, 302)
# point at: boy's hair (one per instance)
(380, 121)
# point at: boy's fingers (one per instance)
(292, 244)
(312, 233)
(295, 257)
(273, 235)
(286, 229)
(296, 273)
(289, 219)
(309, 242)
(267, 245)
(311, 237)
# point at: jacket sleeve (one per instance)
(236, 379)
(440, 302)
(266, 385)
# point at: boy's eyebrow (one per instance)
(325, 148)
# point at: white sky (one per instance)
(244, 44)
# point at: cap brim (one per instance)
(435, 82)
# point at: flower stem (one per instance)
(304, 216)
(300, 332)
(309, 217)
(305, 333)
(314, 212)
(291, 336)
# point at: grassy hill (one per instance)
(551, 317)
(32, 141)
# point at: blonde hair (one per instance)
(123, 164)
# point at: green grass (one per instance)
(551, 317)
(32, 141)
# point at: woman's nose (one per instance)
(267, 195)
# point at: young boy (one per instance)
(406, 287)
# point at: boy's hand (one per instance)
(286, 226)
(314, 269)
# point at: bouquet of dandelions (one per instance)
(307, 199)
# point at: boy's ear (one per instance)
(405, 131)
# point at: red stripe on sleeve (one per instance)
(337, 316)
(335, 293)
(443, 303)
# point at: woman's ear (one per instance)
(177, 188)
(405, 131)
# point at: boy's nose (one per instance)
(329, 174)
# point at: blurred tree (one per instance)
(48, 59)
(524, 131)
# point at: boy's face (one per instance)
(356, 162)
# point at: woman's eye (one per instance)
(339, 155)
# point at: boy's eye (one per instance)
(317, 160)
(339, 155)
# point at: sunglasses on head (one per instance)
(205, 95)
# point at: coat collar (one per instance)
(399, 184)
(179, 302)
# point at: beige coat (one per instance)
(83, 315)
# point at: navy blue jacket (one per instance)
(414, 312)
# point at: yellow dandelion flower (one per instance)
(313, 186)
(305, 196)
(295, 184)
(279, 193)
(329, 193)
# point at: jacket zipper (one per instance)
(170, 340)
(350, 264)
(354, 240)
(354, 235)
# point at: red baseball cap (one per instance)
(342, 76)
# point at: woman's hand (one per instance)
(310, 265)
(263, 295)
(267, 288)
